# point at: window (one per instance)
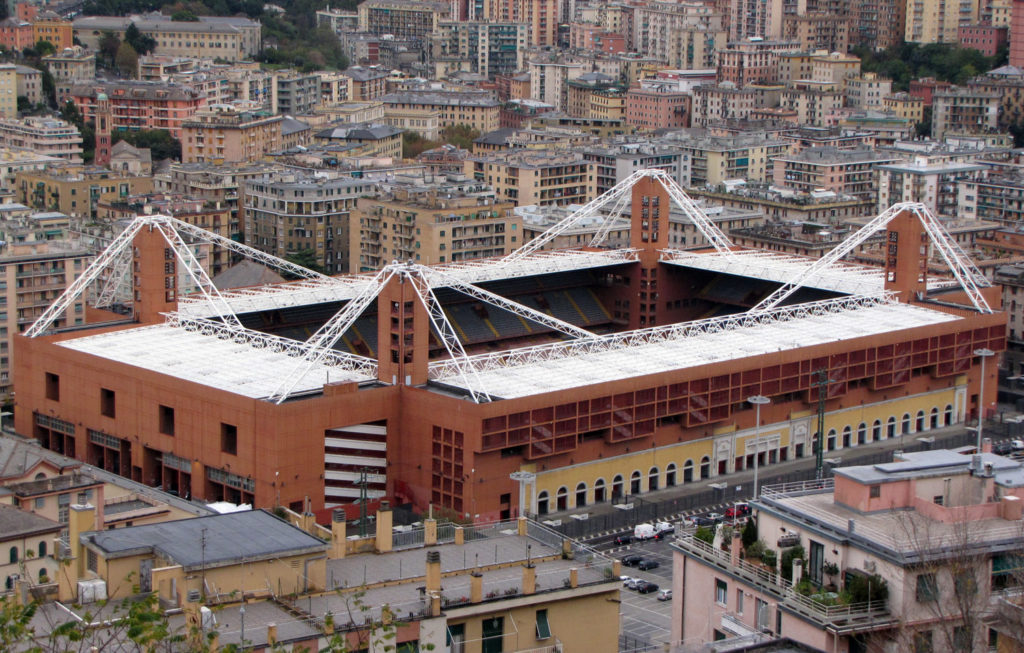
(923, 641)
(875, 491)
(42, 549)
(107, 402)
(739, 600)
(166, 414)
(927, 588)
(52, 386)
(40, 503)
(90, 560)
(543, 629)
(721, 591)
(962, 636)
(965, 585)
(14, 554)
(229, 438)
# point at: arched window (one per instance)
(42, 549)
(14, 554)
(905, 424)
(934, 418)
(890, 427)
(40, 476)
(876, 430)
(42, 574)
(847, 436)
(9, 583)
(688, 471)
(634, 482)
(831, 440)
(670, 475)
(862, 433)
(562, 499)
(617, 487)
(948, 415)
(599, 491)
(542, 503)
(919, 426)
(581, 495)
(652, 479)
(705, 467)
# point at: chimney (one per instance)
(476, 587)
(433, 571)
(734, 548)
(271, 634)
(384, 532)
(529, 579)
(798, 570)
(1011, 508)
(976, 463)
(986, 445)
(850, 525)
(429, 532)
(574, 577)
(338, 534)
(81, 518)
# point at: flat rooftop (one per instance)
(571, 364)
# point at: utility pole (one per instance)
(819, 437)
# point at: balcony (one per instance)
(840, 618)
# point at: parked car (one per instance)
(647, 564)
(643, 532)
(632, 559)
(663, 529)
(1017, 445)
(665, 595)
(737, 510)
(1002, 448)
(709, 519)
(629, 582)
(646, 587)
(623, 539)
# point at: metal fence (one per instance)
(628, 644)
(646, 510)
(407, 539)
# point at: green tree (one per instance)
(141, 43)
(749, 535)
(108, 46)
(127, 60)
(184, 16)
(414, 144)
(460, 136)
(307, 259)
(44, 47)
(159, 141)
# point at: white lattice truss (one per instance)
(112, 259)
(963, 269)
(440, 370)
(618, 198)
(117, 282)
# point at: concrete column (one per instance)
(81, 519)
(616, 568)
(339, 532)
(460, 535)
(271, 634)
(521, 527)
(433, 571)
(735, 547)
(429, 532)
(435, 604)
(574, 577)
(384, 526)
(798, 570)
(476, 587)
(529, 579)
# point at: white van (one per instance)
(643, 532)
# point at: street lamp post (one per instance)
(984, 354)
(758, 401)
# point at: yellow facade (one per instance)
(608, 105)
(8, 91)
(721, 450)
(905, 106)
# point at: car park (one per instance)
(643, 532)
(623, 539)
(647, 564)
(632, 559)
(665, 595)
(646, 587)
(1002, 448)
(709, 519)
(663, 529)
(630, 582)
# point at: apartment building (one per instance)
(845, 172)
(140, 105)
(905, 105)
(48, 26)
(714, 159)
(650, 108)
(220, 134)
(8, 91)
(815, 104)
(594, 37)
(993, 196)
(402, 19)
(1008, 83)
(780, 205)
(368, 83)
(616, 161)
(286, 214)
(867, 91)
(33, 275)
(713, 104)
(363, 139)
(15, 160)
(338, 21)
(430, 228)
(938, 21)
(816, 30)
(70, 66)
(44, 136)
(209, 37)
(29, 83)
(296, 93)
(488, 49)
(76, 192)
(16, 34)
(478, 109)
(964, 111)
(542, 16)
(686, 35)
(986, 39)
(746, 62)
(549, 78)
(938, 185)
(251, 85)
(530, 177)
(921, 548)
(581, 93)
